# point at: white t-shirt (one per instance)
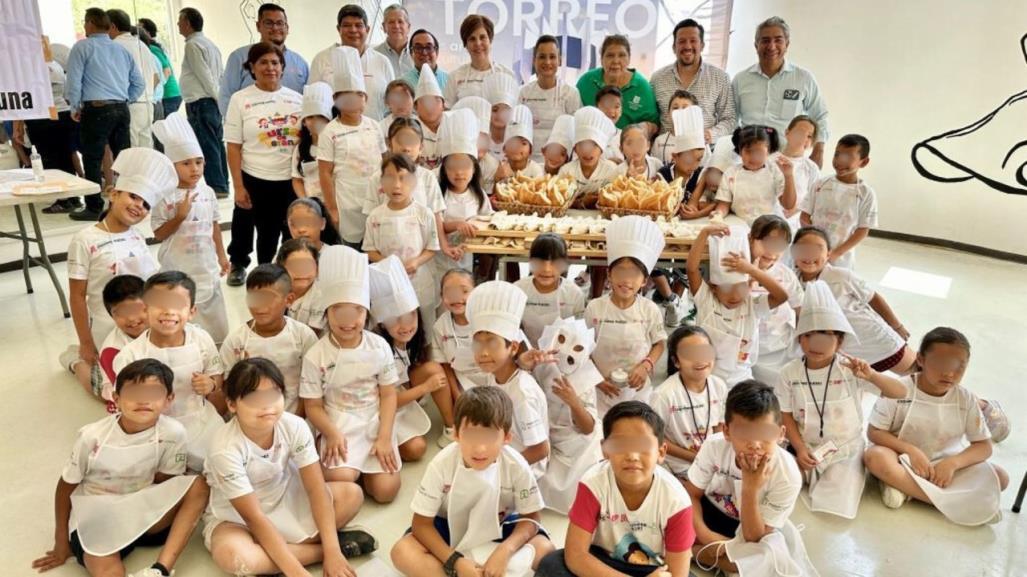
(689, 418)
(96, 256)
(652, 168)
(361, 382)
(540, 308)
(380, 233)
(806, 174)
(840, 209)
(716, 473)
(286, 350)
(116, 340)
(794, 391)
(663, 148)
(466, 81)
(602, 311)
(447, 338)
(603, 174)
(308, 309)
(662, 523)
(167, 436)
(518, 491)
(752, 193)
(777, 331)
(191, 248)
(231, 450)
(378, 73)
(426, 192)
(356, 152)
(738, 323)
(531, 413)
(461, 207)
(546, 104)
(307, 172)
(890, 414)
(267, 125)
(876, 340)
(531, 170)
(429, 157)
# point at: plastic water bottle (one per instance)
(37, 165)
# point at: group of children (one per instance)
(272, 433)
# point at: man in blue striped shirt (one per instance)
(102, 79)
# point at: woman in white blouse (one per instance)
(548, 96)
(476, 32)
(262, 127)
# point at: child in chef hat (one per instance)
(489, 162)
(501, 92)
(558, 147)
(517, 146)
(186, 221)
(592, 134)
(629, 329)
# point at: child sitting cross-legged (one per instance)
(457, 529)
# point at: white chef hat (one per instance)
(145, 173)
(392, 293)
(591, 124)
(720, 247)
(562, 133)
(520, 124)
(634, 236)
(458, 134)
(427, 84)
(317, 100)
(343, 276)
(689, 130)
(178, 138)
(497, 307)
(821, 312)
(500, 88)
(347, 70)
(480, 107)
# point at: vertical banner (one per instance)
(25, 91)
(580, 25)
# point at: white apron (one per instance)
(411, 420)
(836, 484)
(200, 418)
(466, 370)
(108, 523)
(134, 259)
(358, 426)
(729, 352)
(353, 170)
(538, 320)
(572, 452)
(972, 498)
(779, 554)
(311, 179)
(281, 495)
(474, 518)
(401, 236)
(619, 346)
(286, 352)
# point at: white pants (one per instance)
(212, 316)
(141, 114)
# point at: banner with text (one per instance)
(24, 77)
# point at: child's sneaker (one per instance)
(354, 541)
(150, 572)
(892, 497)
(69, 358)
(676, 311)
(996, 419)
(446, 438)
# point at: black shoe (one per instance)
(58, 207)
(356, 542)
(85, 214)
(237, 276)
(72, 203)
(221, 193)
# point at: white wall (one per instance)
(899, 72)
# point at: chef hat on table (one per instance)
(392, 293)
(591, 124)
(458, 134)
(427, 84)
(317, 100)
(497, 307)
(145, 173)
(634, 236)
(343, 276)
(347, 70)
(689, 130)
(480, 107)
(720, 247)
(500, 88)
(178, 138)
(520, 124)
(562, 133)
(821, 312)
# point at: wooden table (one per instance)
(74, 186)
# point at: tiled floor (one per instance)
(987, 299)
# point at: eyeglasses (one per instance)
(262, 398)
(274, 23)
(143, 392)
(423, 48)
(621, 445)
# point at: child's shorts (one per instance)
(145, 540)
(889, 363)
(508, 524)
(555, 564)
(717, 520)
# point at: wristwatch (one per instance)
(450, 565)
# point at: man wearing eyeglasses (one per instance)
(424, 49)
(273, 27)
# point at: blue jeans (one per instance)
(102, 126)
(205, 118)
(171, 104)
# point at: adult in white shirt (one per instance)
(547, 96)
(140, 111)
(262, 126)
(396, 24)
(378, 72)
(476, 32)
